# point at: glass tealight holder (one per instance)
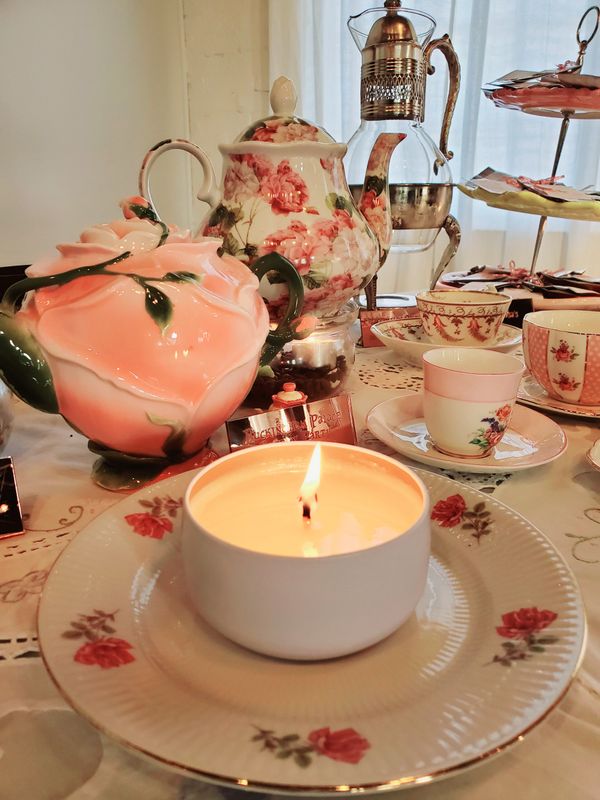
(319, 365)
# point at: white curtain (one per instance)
(310, 43)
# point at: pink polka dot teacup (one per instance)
(562, 352)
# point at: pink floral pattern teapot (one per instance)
(284, 191)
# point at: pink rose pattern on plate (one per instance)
(453, 511)
(157, 520)
(521, 629)
(345, 745)
(100, 647)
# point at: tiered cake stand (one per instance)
(576, 96)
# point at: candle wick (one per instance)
(307, 507)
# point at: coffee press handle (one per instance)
(208, 192)
(444, 44)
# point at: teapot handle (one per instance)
(445, 45)
(208, 191)
(286, 330)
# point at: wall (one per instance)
(87, 88)
(226, 50)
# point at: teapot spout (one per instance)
(374, 203)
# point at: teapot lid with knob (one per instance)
(283, 125)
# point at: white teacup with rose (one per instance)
(468, 398)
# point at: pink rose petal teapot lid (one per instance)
(283, 125)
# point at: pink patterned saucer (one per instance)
(532, 394)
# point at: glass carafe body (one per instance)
(420, 181)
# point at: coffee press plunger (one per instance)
(396, 51)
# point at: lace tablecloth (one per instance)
(48, 752)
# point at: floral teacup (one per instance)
(562, 352)
(468, 399)
(456, 317)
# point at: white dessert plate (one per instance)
(492, 647)
(532, 394)
(407, 338)
(530, 441)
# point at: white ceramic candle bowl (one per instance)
(242, 550)
(562, 352)
(457, 318)
(468, 398)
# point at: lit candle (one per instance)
(308, 490)
(265, 505)
(275, 571)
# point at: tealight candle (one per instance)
(303, 561)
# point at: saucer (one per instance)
(492, 647)
(530, 441)
(407, 338)
(593, 455)
(532, 394)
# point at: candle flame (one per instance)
(308, 490)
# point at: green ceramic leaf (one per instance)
(121, 477)
(231, 245)
(334, 201)
(225, 217)
(375, 183)
(158, 306)
(276, 277)
(249, 132)
(173, 444)
(182, 277)
(23, 366)
(144, 212)
(314, 279)
(217, 215)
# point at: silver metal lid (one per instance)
(393, 69)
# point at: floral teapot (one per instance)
(143, 340)
(284, 191)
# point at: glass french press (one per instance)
(396, 51)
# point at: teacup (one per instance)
(462, 317)
(468, 398)
(562, 352)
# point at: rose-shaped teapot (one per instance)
(284, 191)
(143, 340)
